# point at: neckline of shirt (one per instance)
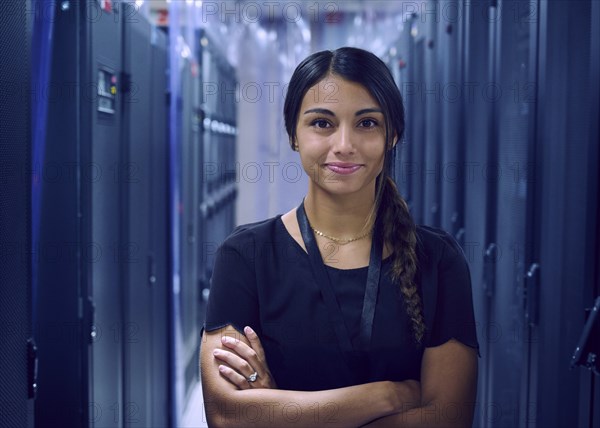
(301, 250)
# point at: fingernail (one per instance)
(248, 330)
(225, 339)
(216, 352)
(221, 368)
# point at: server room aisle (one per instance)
(195, 415)
(137, 134)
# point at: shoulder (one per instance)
(436, 245)
(245, 242)
(250, 234)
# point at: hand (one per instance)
(243, 360)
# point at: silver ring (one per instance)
(252, 377)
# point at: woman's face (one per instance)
(341, 137)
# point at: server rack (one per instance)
(102, 204)
(206, 114)
(103, 301)
(431, 92)
(219, 99)
(402, 52)
(513, 194)
(450, 52)
(142, 178)
(420, 124)
(589, 410)
(480, 253)
(16, 175)
(158, 266)
(568, 105)
(218, 111)
(523, 116)
(61, 309)
(189, 244)
(412, 47)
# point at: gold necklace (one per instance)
(341, 241)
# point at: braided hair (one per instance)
(399, 230)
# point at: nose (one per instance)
(343, 143)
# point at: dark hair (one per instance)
(366, 69)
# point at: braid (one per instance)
(400, 231)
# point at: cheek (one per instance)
(377, 152)
(310, 160)
(312, 148)
(309, 155)
(378, 159)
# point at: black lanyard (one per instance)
(324, 283)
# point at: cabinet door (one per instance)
(509, 172)
(15, 214)
(103, 143)
(157, 213)
(136, 189)
(416, 129)
(450, 37)
(478, 200)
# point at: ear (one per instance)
(394, 141)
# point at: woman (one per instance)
(351, 315)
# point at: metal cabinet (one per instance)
(103, 302)
(16, 175)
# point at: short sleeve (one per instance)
(233, 296)
(454, 314)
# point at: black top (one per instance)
(262, 278)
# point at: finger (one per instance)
(241, 348)
(255, 342)
(234, 361)
(267, 380)
(234, 377)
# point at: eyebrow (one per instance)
(330, 113)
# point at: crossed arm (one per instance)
(445, 396)
(448, 390)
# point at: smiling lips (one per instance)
(343, 168)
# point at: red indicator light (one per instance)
(106, 5)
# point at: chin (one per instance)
(343, 189)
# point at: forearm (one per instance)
(432, 415)
(448, 390)
(231, 401)
(342, 407)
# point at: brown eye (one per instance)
(368, 123)
(320, 123)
